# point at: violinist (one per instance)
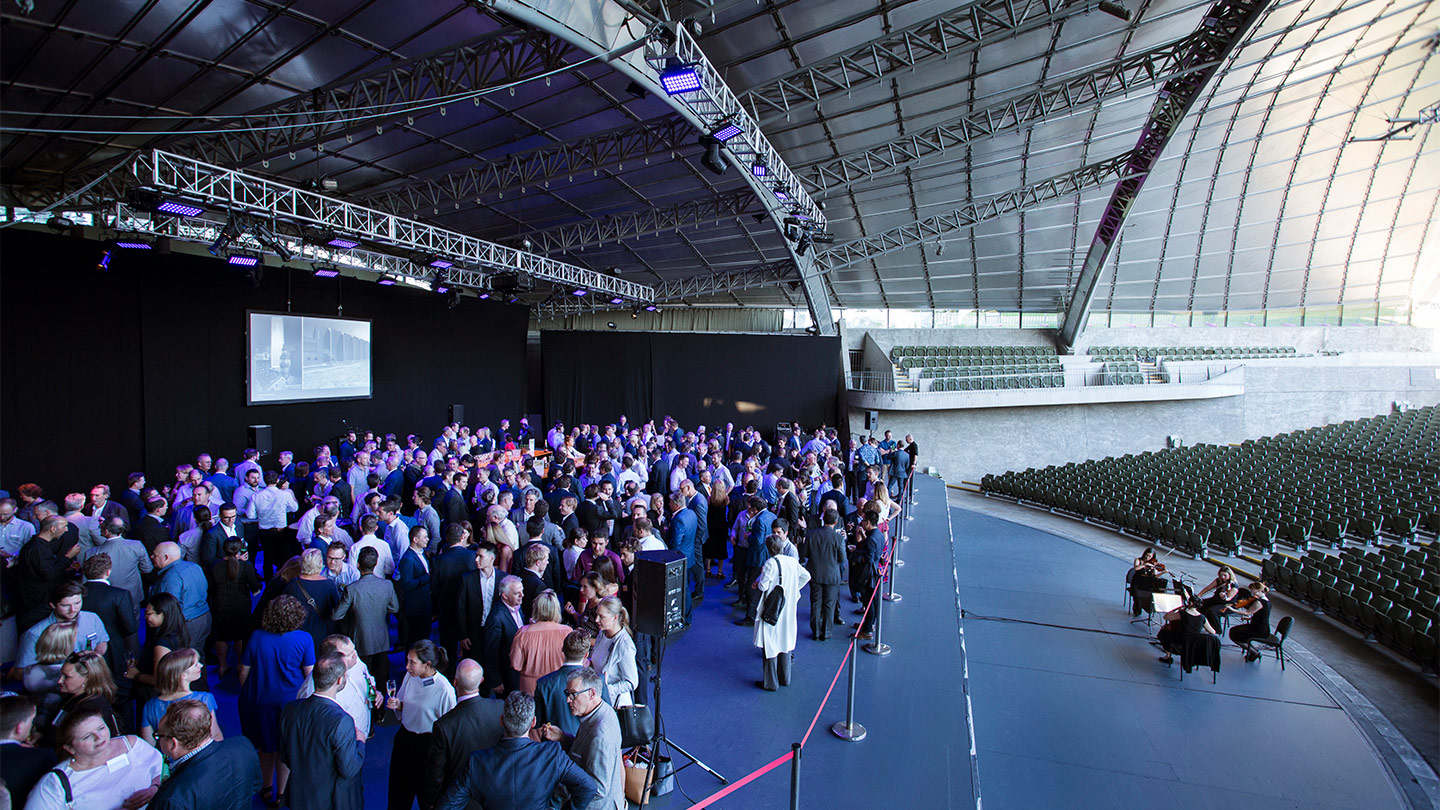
(1180, 624)
(1226, 592)
(1148, 563)
(1146, 579)
(1257, 610)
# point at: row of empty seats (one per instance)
(1103, 353)
(1009, 363)
(1123, 373)
(1390, 594)
(899, 352)
(994, 383)
(986, 371)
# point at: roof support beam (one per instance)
(1114, 79)
(1226, 25)
(646, 222)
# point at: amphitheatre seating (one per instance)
(1390, 594)
(977, 368)
(1123, 373)
(1354, 482)
(1101, 354)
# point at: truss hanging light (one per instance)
(725, 130)
(781, 192)
(243, 259)
(452, 299)
(443, 264)
(579, 291)
(341, 242)
(617, 300)
(680, 77)
(152, 200)
(268, 238)
(712, 159)
(1115, 10)
(103, 265)
(759, 169)
(386, 280)
(228, 233)
(326, 271)
(135, 241)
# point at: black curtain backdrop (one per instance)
(700, 379)
(143, 367)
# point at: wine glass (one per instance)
(129, 660)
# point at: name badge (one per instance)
(428, 682)
(116, 763)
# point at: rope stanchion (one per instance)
(743, 781)
(795, 776)
(895, 561)
(879, 647)
(847, 729)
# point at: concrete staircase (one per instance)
(1152, 372)
(903, 384)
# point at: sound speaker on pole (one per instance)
(457, 414)
(658, 583)
(872, 420)
(258, 437)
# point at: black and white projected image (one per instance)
(298, 358)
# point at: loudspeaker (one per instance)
(658, 583)
(258, 437)
(457, 414)
(872, 420)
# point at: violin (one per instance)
(1242, 603)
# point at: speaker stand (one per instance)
(661, 737)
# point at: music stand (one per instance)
(1160, 602)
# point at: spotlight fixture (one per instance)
(610, 324)
(152, 200)
(452, 299)
(651, 308)
(712, 159)
(578, 292)
(724, 131)
(781, 192)
(268, 238)
(759, 169)
(635, 90)
(484, 296)
(442, 289)
(617, 300)
(324, 271)
(804, 244)
(60, 224)
(680, 77)
(342, 242)
(243, 259)
(386, 280)
(635, 314)
(439, 282)
(229, 233)
(1115, 10)
(760, 217)
(134, 241)
(103, 265)
(939, 248)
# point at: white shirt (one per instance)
(423, 701)
(102, 788)
(271, 506)
(305, 529)
(359, 684)
(244, 500)
(385, 565)
(14, 534)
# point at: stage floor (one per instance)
(1074, 718)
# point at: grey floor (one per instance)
(1073, 710)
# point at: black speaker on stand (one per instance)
(457, 414)
(658, 584)
(258, 437)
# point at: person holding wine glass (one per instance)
(424, 696)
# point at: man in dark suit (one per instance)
(445, 573)
(451, 506)
(899, 470)
(479, 594)
(829, 570)
(473, 725)
(506, 619)
(700, 506)
(206, 774)
(341, 489)
(659, 480)
(130, 498)
(532, 576)
(321, 745)
(151, 529)
(212, 542)
(597, 509)
(20, 765)
(519, 773)
(550, 703)
(868, 554)
(116, 611)
(412, 573)
(681, 538)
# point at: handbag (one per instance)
(637, 725)
(775, 599)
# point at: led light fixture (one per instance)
(385, 281)
(724, 131)
(442, 289)
(651, 308)
(484, 296)
(326, 272)
(680, 77)
(617, 300)
(759, 169)
(781, 193)
(104, 264)
(179, 209)
(342, 242)
(578, 291)
(243, 259)
(442, 264)
(152, 200)
(134, 241)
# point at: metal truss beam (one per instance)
(246, 194)
(1222, 30)
(971, 214)
(540, 166)
(646, 222)
(1111, 80)
(337, 110)
(958, 31)
(764, 275)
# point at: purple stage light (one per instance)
(326, 272)
(579, 292)
(725, 132)
(242, 260)
(617, 300)
(134, 245)
(759, 169)
(386, 281)
(442, 264)
(679, 79)
(343, 243)
(179, 209)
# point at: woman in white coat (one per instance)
(613, 655)
(777, 641)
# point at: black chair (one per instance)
(1276, 640)
(1201, 650)
(1129, 579)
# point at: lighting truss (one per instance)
(714, 101)
(247, 194)
(644, 222)
(1112, 80)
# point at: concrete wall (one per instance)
(1306, 340)
(1279, 397)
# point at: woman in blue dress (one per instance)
(277, 660)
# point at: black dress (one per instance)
(230, 600)
(1172, 637)
(1257, 627)
(319, 597)
(717, 543)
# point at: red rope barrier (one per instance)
(751, 777)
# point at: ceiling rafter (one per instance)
(647, 221)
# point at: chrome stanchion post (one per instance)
(890, 595)
(879, 647)
(795, 776)
(847, 729)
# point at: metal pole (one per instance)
(794, 776)
(848, 729)
(878, 647)
(890, 595)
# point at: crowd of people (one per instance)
(508, 574)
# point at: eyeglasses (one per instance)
(159, 737)
(571, 694)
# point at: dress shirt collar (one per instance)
(177, 763)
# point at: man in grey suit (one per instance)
(321, 745)
(368, 602)
(128, 560)
(596, 746)
(829, 570)
(473, 725)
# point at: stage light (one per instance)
(442, 264)
(229, 233)
(386, 280)
(442, 289)
(680, 77)
(452, 299)
(724, 131)
(617, 300)
(267, 238)
(578, 291)
(484, 296)
(781, 193)
(179, 209)
(759, 169)
(60, 224)
(243, 259)
(634, 89)
(134, 241)
(1115, 10)
(342, 242)
(104, 264)
(326, 272)
(635, 314)
(712, 159)
(610, 324)
(804, 244)
(651, 308)
(152, 200)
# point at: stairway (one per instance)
(903, 384)
(1152, 372)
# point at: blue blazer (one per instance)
(520, 774)
(701, 507)
(757, 553)
(683, 528)
(221, 776)
(413, 585)
(318, 743)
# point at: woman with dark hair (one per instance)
(164, 631)
(277, 660)
(1257, 611)
(232, 584)
(86, 685)
(424, 696)
(317, 592)
(104, 772)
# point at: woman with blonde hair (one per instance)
(172, 680)
(85, 684)
(317, 593)
(537, 650)
(613, 655)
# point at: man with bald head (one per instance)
(473, 725)
(186, 582)
(40, 567)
